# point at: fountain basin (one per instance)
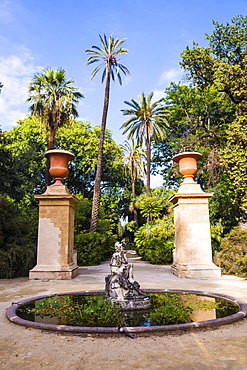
(242, 306)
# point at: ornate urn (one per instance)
(187, 165)
(59, 160)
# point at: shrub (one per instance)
(17, 241)
(168, 309)
(216, 237)
(233, 255)
(90, 311)
(154, 241)
(92, 248)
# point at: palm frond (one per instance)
(110, 48)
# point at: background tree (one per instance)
(54, 101)
(26, 142)
(21, 173)
(198, 120)
(107, 54)
(223, 65)
(147, 123)
(133, 163)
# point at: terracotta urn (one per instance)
(59, 160)
(187, 165)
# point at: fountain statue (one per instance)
(120, 284)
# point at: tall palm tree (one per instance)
(107, 56)
(134, 164)
(147, 123)
(54, 100)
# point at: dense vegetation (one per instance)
(208, 114)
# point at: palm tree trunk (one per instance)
(133, 198)
(97, 193)
(148, 161)
(50, 147)
(148, 166)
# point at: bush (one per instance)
(17, 241)
(233, 255)
(88, 311)
(92, 248)
(154, 241)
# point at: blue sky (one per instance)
(36, 34)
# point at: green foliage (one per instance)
(27, 143)
(233, 158)
(222, 66)
(109, 214)
(131, 226)
(92, 248)
(81, 139)
(147, 123)
(209, 116)
(53, 98)
(216, 236)
(17, 240)
(79, 310)
(197, 121)
(168, 309)
(14, 174)
(223, 206)
(91, 311)
(110, 49)
(82, 215)
(150, 206)
(233, 255)
(154, 205)
(155, 240)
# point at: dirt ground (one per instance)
(24, 348)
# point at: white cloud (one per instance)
(15, 74)
(170, 75)
(158, 94)
(156, 181)
(5, 11)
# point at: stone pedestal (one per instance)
(56, 235)
(193, 252)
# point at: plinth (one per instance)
(192, 257)
(55, 235)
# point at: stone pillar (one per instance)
(193, 252)
(55, 235)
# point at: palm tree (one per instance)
(147, 123)
(54, 101)
(107, 55)
(134, 164)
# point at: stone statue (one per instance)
(120, 284)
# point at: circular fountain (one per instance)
(136, 305)
(13, 314)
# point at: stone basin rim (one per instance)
(12, 316)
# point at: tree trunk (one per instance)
(50, 147)
(133, 198)
(96, 193)
(148, 161)
(148, 166)
(243, 220)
